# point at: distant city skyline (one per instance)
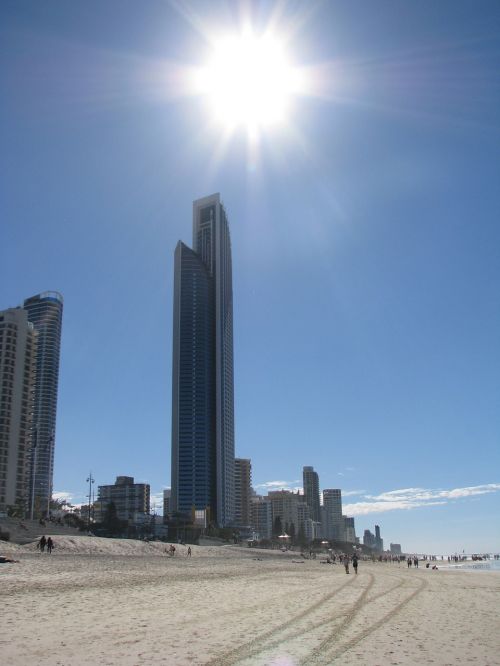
(364, 228)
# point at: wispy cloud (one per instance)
(63, 495)
(156, 501)
(412, 498)
(75, 499)
(280, 485)
(352, 493)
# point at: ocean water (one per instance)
(469, 565)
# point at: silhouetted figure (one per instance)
(41, 544)
(189, 551)
(50, 545)
(355, 563)
(346, 563)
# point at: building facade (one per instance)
(202, 368)
(18, 345)
(333, 523)
(261, 517)
(368, 539)
(167, 494)
(311, 492)
(349, 529)
(242, 490)
(379, 542)
(45, 312)
(292, 511)
(132, 500)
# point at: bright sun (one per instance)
(248, 81)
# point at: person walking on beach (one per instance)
(355, 563)
(50, 545)
(41, 544)
(415, 562)
(346, 563)
(189, 551)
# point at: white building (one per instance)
(18, 348)
(261, 516)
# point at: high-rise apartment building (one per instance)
(291, 510)
(202, 368)
(368, 539)
(333, 523)
(261, 516)
(167, 494)
(349, 529)
(379, 542)
(311, 492)
(45, 313)
(18, 342)
(242, 490)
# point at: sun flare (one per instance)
(248, 81)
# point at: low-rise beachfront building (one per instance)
(396, 549)
(129, 498)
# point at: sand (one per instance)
(105, 601)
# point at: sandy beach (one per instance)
(105, 601)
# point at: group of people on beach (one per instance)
(171, 551)
(45, 543)
(345, 560)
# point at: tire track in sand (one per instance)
(317, 625)
(253, 646)
(328, 655)
(324, 645)
(294, 634)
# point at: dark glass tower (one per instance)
(45, 313)
(202, 381)
(311, 492)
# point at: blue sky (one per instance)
(366, 246)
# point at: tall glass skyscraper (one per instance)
(311, 492)
(202, 368)
(45, 313)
